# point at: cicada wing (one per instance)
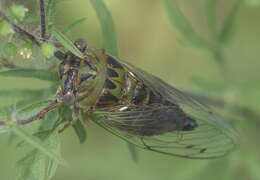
(189, 105)
(153, 129)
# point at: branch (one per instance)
(43, 20)
(6, 63)
(19, 30)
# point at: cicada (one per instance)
(138, 107)
(134, 105)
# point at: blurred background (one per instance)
(147, 39)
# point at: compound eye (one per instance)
(81, 44)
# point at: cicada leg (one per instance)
(75, 117)
(42, 113)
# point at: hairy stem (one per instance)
(19, 30)
(43, 20)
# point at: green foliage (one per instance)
(10, 49)
(37, 143)
(61, 38)
(69, 27)
(31, 73)
(5, 28)
(47, 50)
(107, 27)
(18, 12)
(228, 27)
(44, 155)
(218, 39)
(37, 165)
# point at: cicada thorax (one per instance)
(113, 89)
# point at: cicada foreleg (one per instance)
(75, 117)
(55, 104)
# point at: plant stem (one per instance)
(19, 30)
(43, 20)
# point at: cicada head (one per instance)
(81, 44)
(76, 73)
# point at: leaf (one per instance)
(10, 49)
(66, 116)
(68, 28)
(228, 27)
(80, 131)
(53, 143)
(50, 9)
(20, 93)
(5, 28)
(47, 49)
(18, 12)
(211, 6)
(35, 142)
(31, 166)
(31, 107)
(107, 26)
(35, 165)
(31, 73)
(66, 42)
(179, 21)
(133, 152)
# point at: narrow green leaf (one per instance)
(107, 26)
(34, 106)
(211, 7)
(68, 28)
(50, 10)
(66, 42)
(51, 169)
(179, 21)
(20, 93)
(66, 116)
(31, 73)
(54, 144)
(228, 27)
(35, 142)
(133, 151)
(80, 131)
(30, 19)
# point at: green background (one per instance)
(146, 39)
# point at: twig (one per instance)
(19, 30)
(43, 20)
(6, 63)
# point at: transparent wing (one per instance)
(145, 126)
